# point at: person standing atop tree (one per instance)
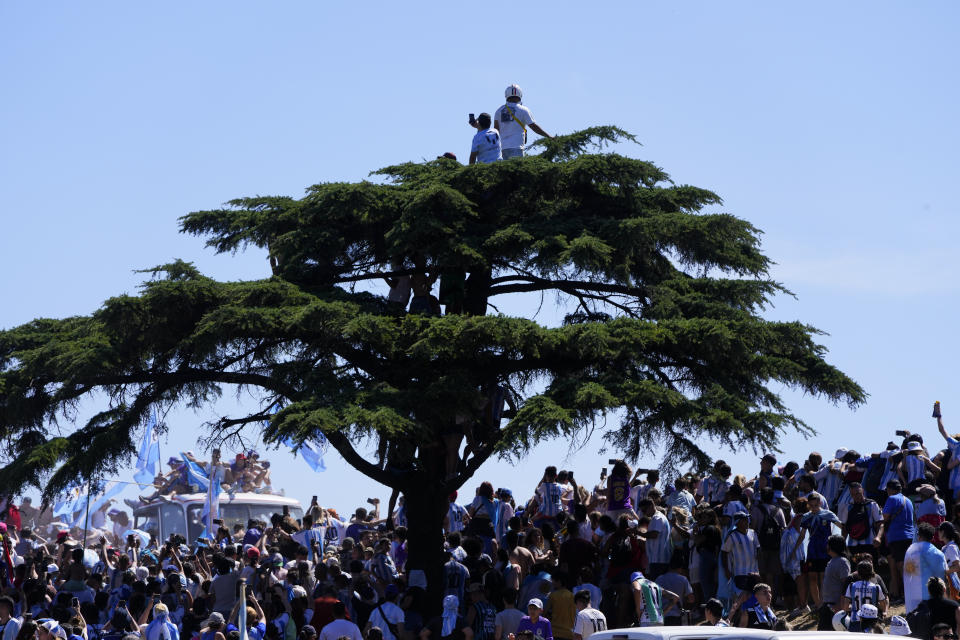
(486, 142)
(512, 121)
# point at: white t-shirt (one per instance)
(588, 622)
(511, 133)
(486, 144)
(340, 627)
(394, 615)
(334, 532)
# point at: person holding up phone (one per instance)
(486, 142)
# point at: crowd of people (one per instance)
(245, 473)
(841, 541)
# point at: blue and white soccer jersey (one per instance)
(549, 496)
(863, 592)
(486, 144)
(913, 468)
(828, 484)
(889, 470)
(742, 550)
(954, 445)
(659, 549)
(511, 133)
(455, 516)
(792, 555)
(713, 489)
(504, 513)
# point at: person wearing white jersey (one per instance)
(648, 600)
(457, 517)
(588, 620)
(486, 142)
(512, 121)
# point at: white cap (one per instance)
(899, 626)
(513, 91)
(535, 602)
(869, 611)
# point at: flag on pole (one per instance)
(242, 612)
(110, 489)
(195, 473)
(211, 507)
(65, 507)
(148, 459)
(312, 452)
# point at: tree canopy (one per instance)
(664, 338)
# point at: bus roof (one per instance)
(225, 498)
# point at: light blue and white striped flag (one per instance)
(195, 473)
(211, 507)
(148, 459)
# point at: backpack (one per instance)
(770, 530)
(858, 524)
(873, 476)
(621, 552)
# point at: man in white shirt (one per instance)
(589, 620)
(340, 626)
(486, 142)
(387, 615)
(512, 121)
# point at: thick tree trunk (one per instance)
(426, 508)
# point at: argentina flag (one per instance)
(148, 458)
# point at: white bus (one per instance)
(181, 514)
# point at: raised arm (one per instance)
(537, 129)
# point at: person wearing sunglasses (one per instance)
(942, 631)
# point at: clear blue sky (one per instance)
(830, 126)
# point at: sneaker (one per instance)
(799, 611)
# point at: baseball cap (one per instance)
(840, 453)
(535, 602)
(740, 515)
(215, 618)
(913, 445)
(714, 606)
(253, 552)
(868, 611)
(52, 568)
(308, 630)
(769, 457)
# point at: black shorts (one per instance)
(745, 582)
(815, 565)
(898, 548)
(788, 586)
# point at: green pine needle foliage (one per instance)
(663, 342)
